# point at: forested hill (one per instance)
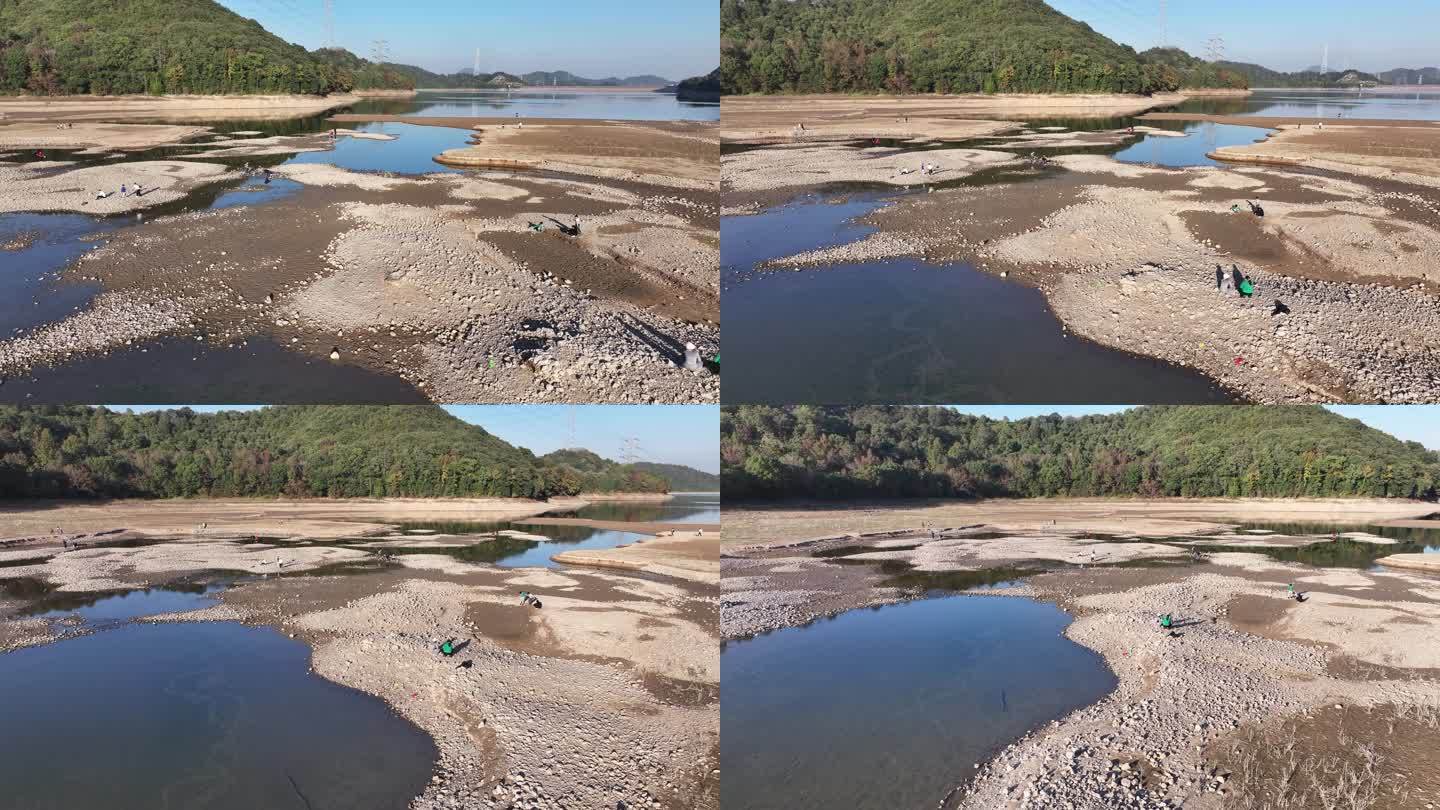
(604, 475)
(924, 46)
(1158, 451)
(117, 47)
(700, 88)
(681, 478)
(1261, 76)
(364, 74)
(295, 451)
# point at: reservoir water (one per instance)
(890, 708)
(193, 716)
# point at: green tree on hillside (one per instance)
(1169, 451)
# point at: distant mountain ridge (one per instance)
(1259, 75)
(681, 478)
(467, 78)
(1427, 75)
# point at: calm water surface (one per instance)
(202, 716)
(914, 693)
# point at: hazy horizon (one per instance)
(1284, 35)
(674, 39)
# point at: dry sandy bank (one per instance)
(686, 554)
(762, 170)
(45, 135)
(170, 108)
(642, 527)
(786, 525)
(42, 187)
(1199, 719)
(1406, 153)
(679, 154)
(768, 119)
(207, 518)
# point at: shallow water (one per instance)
(95, 608)
(687, 507)
(629, 105)
(1323, 104)
(917, 692)
(903, 331)
(260, 371)
(512, 552)
(412, 152)
(1412, 540)
(507, 551)
(1200, 139)
(209, 716)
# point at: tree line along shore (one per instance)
(355, 451)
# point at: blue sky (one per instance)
(669, 434)
(1280, 34)
(1415, 423)
(671, 38)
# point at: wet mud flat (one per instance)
(1134, 258)
(606, 694)
(441, 286)
(1244, 660)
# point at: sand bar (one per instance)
(170, 108)
(681, 154)
(683, 556)
(769, 119)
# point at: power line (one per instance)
(1215, 48)
(630, 451)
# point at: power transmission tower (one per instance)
(630, 450)
(477, 63)
(572, 424)
(1215, 48)
(329, 22)
(380, 52)
(1325, 61)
